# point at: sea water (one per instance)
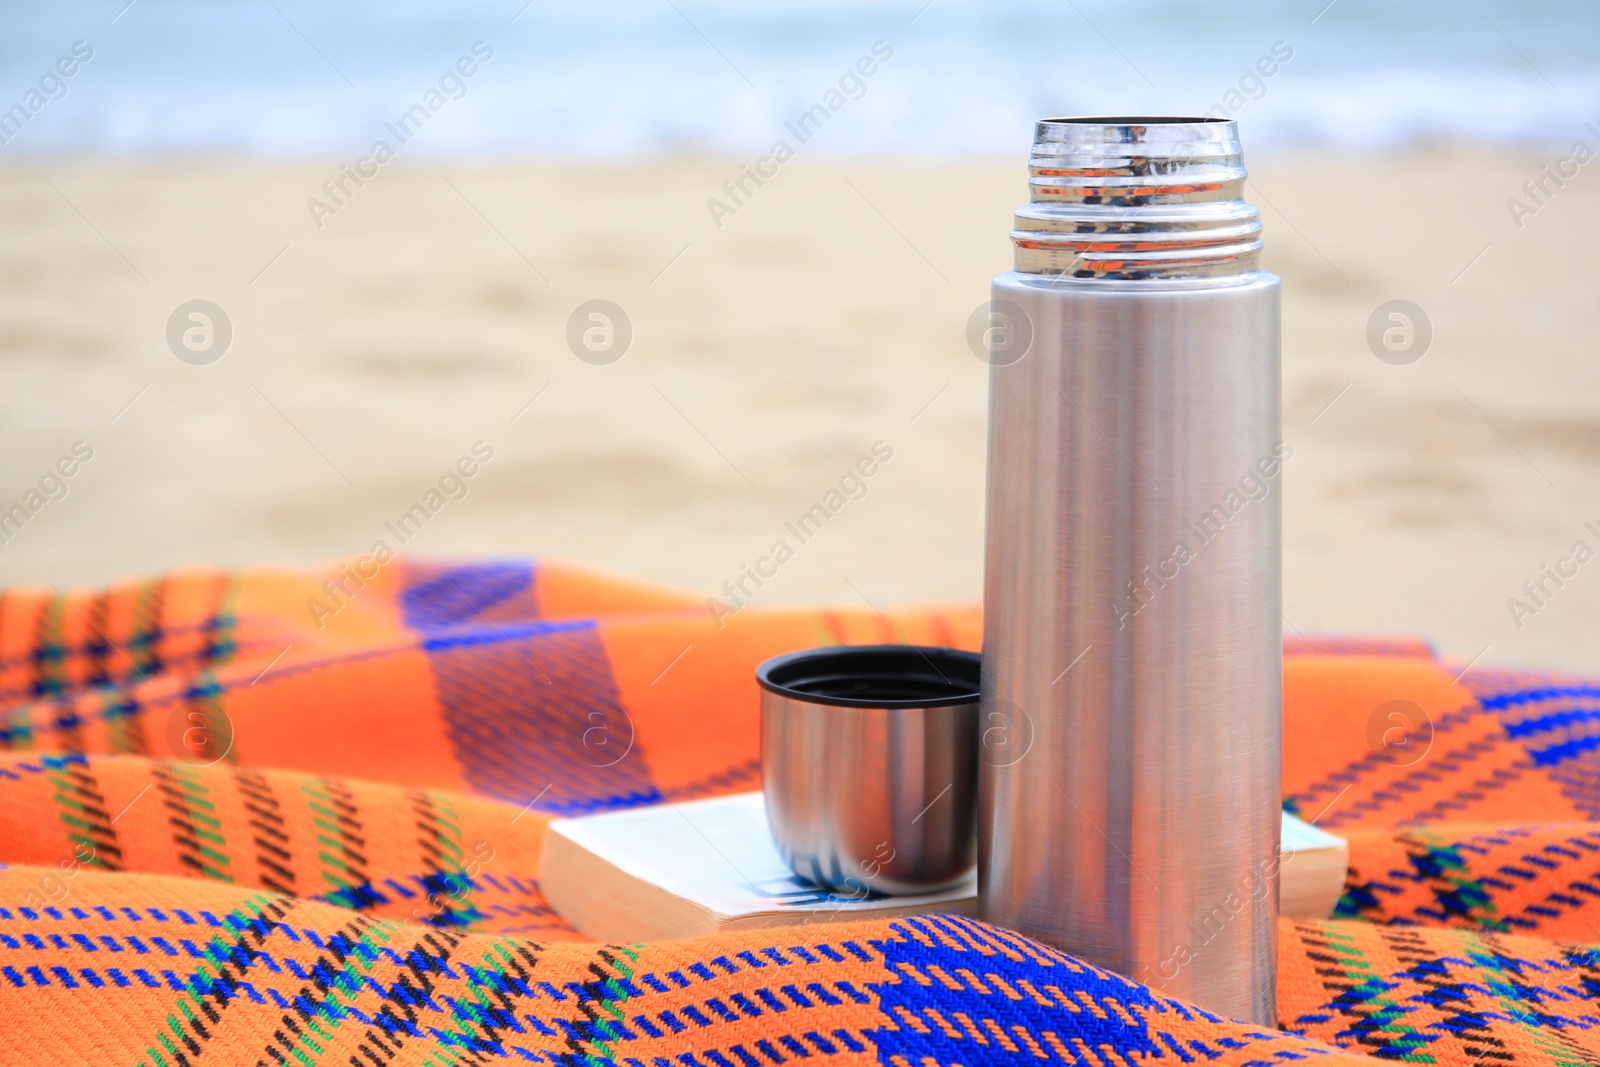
(625, 78)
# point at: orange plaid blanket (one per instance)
(285, 817)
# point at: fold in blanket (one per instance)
(279, 817)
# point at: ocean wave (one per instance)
(647, 77)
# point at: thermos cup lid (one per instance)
(875, 676)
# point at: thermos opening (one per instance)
(1134, 120)
(1137, 198)
(875, 676)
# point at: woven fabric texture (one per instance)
(295, 817)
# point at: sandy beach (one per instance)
(822, 319)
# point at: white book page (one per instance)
(719, 854)
(1301, 836)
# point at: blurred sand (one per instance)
(768, 355)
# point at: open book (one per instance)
(703, 866)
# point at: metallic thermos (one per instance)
(1132, 659)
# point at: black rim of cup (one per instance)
(875, 676)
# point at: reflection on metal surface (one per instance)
(869, 765)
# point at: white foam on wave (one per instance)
(634, 77)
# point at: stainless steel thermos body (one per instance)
(1131, 687)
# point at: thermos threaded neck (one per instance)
(1137, 198)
